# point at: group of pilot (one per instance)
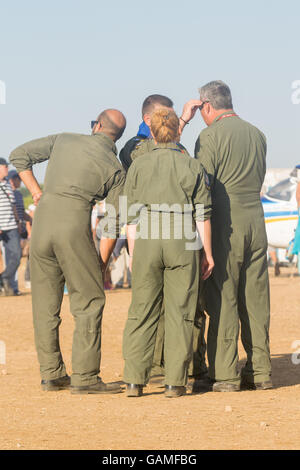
(219, 266)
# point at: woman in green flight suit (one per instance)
(168, 199)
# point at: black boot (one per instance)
(56, 384)
(98, 387)
(134, 390)
(174, 391)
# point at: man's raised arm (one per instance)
(27, 155)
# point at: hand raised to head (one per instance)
(189, 109)
(188, 112)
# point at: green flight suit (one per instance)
(197, 367)
(164, 268)
(144, 146)
(233, 152)
(81, 169)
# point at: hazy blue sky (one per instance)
(65, 61)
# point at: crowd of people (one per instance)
(194, 240)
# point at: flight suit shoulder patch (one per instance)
(206, 179)
(181, 147)
(139, 142)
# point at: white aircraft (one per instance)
(281, 212)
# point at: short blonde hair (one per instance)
(165, 125)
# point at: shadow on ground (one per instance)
(284, 372)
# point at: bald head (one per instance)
(112, 123)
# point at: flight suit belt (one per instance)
(68, 201)
(158, 224)
(245, 208)
(174, 215)
(251, 199)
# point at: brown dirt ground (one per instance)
(32, 419)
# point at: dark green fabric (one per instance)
(181, 182)
(80, 170)
(129, 149)
(163, 271)
(233, 152)
(81, 167)
(198, 363)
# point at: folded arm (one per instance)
(25, 156)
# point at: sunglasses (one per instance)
(93, 124)
(201, 105)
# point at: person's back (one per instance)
(167, 176)
(137, 147)
(233, 152)
(81, 169)
(80, 165)
(165, 269)
(239, 163)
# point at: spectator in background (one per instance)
(274, 257)
(100, 211)
(2, 266)
(15, 182)
(95, 217)
(120, 273)
(9, 231)
(97, 234)
(296, 247)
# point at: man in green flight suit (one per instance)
(233, 152)
(81, 169)
(139, 145)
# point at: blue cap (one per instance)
(3, 162)
(144, 131)
(13, 174)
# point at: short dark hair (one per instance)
(152, 100)
(217, 93)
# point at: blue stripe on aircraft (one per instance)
(278, 214)
(264, 200)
